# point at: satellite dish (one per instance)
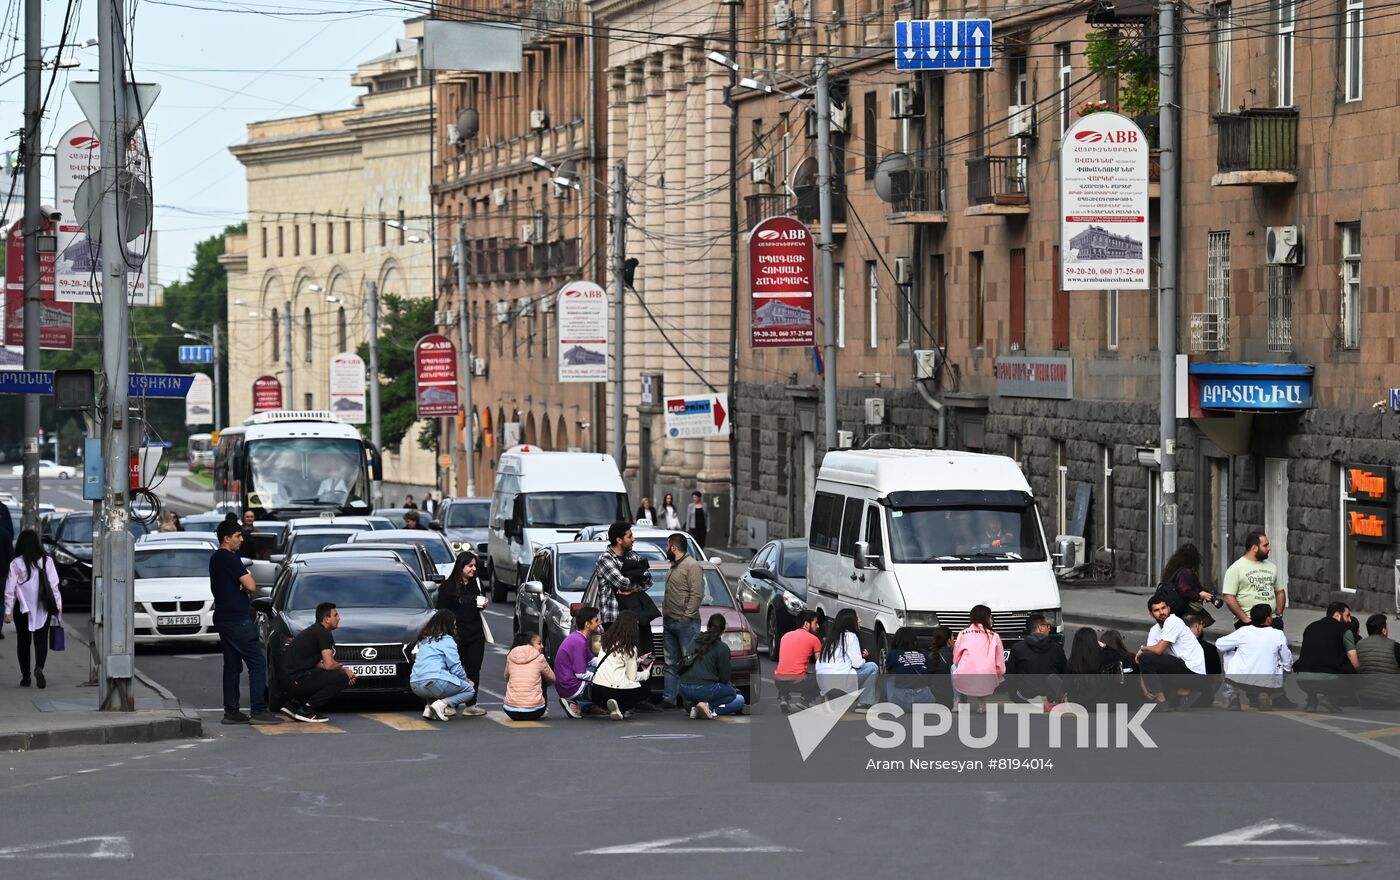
(87, 205)
(805, 174)
(468, 124)
(894, 177)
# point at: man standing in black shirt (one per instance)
(310, 671)
(232, 587)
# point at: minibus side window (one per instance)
(850, 527)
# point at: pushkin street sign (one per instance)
(943, 44)
(138, 384)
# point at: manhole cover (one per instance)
(1290, 861)
(665, 736)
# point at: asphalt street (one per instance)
(68, 494)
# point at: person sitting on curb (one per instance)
(438, 676)
(527, 674)
(796, 649)
(571, 662)
(1256, 658)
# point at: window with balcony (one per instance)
(1353, 30)
(1351, 286)
(1286, 25)
(1222, 37)
(872, 280)
(1215, 324)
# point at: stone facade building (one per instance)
(323, 190)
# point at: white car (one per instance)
(173, 602)
(652, 535)
(165, 539)
(48, 469)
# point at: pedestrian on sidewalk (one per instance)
(1252, 580)
(697, 521)
(527, 675)
(646, 514)
(409, 503)
(705, 682)
(571, 673)
(617, 682)
(1172, 660)
(843, 665)
(979, 663)
(311, 674)
(1182, 573)
(907, 681)
(233, 588)
(1379, 656)
(7, 550)
(462, 595)
(1256, 659)
(1328, 659)
(33, 602)
(670, 519)
(429, 506)
(680, 614)
(438, 676)
(796, 649)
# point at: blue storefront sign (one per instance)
(1252, 387)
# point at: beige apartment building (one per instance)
(336, 201)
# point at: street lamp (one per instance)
(213, 338)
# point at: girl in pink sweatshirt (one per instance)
(978, 661)
(527, 674)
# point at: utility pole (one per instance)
(619, 285)
(734, 253)
(291, 379)
(218, 374)
(825, 245)
(116, 653)
(466, 447)
(1166, 299)
(376, 434)
(33, 137)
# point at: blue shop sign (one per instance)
(1253, 387)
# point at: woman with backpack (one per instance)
(33, 601)
(705, 679)
(978, 659)
(1181, 583)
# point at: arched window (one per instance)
(341, 329)
(306, 332)
(276, 336)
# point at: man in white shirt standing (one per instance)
(1256, 657)
(1173, 651)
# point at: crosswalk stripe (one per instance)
(1380, 732)
(398, 720)
(295, 727)
(502, 719)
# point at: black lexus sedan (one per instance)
(382, 607)
(69, 540)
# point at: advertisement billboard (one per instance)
(782, 269)
(583, 333)
(55, 318)
(267, 394)
(435, 376)
(347, 387)
(199, 402)
(1104, 161)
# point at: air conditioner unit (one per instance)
(761, 170)
(539, 120)
(449, 317)
(874, 410)
(903, 270)
(502, 312)
(500, 196)
(547, 303)
(440, 317)
(527, 232)
(844, 439)
(902, 102)
(478, 366)
(926, 363)
(453, 135)
(838, 117)
(1283, 246)
(1020, 120)
(782, 15)
(525, 306)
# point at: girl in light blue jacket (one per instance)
(438, 676)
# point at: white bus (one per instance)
(201, 451)
(286, 463)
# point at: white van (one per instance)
(913, 539)
(543, 498)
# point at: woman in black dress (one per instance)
(462, 595)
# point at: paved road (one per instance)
(68, 494)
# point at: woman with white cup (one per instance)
(462, 595)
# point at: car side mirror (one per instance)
(277, 558)
(262, 604)
(761, 574)
(437, 578)
(749, 607)
(863, 558)
(532, 587)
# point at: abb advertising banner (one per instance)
(78, 270)
(267, 394)
(435, 371)
(348, 387)
(583, 333)
(782, 269)
(1104, 162)
(199, 402)
(55, 318)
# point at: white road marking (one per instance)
(1259, 833)
(724, 840)
(1345, 734)
(110, 847)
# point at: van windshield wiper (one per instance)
(988, 554)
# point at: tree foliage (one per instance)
(402, 323)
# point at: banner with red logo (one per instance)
(1104, 162)
(782, 269)
(55, 318)
(267, 394)
(435, 372)
(583, 333)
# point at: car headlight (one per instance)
(64, 557)
(458, 546)
(793, 604)
(921, 619)
(739, 642)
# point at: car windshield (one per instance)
(936, 534)
(201, 525)
(378, 589)
(307, 472)
(467, 516)
(716, 593)
(77, 529)
(182, 563)
(439, 551)
(315, 542)
(563, 510)
(794, 561)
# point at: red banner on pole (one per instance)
(267, 394)
(435, 372)
(55, 318)
(781, 282)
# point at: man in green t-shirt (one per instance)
(1251, 580)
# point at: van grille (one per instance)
(976, 568)
(1006, 623)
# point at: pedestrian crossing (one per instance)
(408, 722)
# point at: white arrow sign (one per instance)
(1259, 833)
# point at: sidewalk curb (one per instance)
(184, 726)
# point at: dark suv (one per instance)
(69, 540)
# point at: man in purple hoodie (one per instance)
(571, 662)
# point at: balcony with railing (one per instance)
(920, 195)
(1256, 147)
(503, 259)
(809, 204)
(760, 206)
(997, 185)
